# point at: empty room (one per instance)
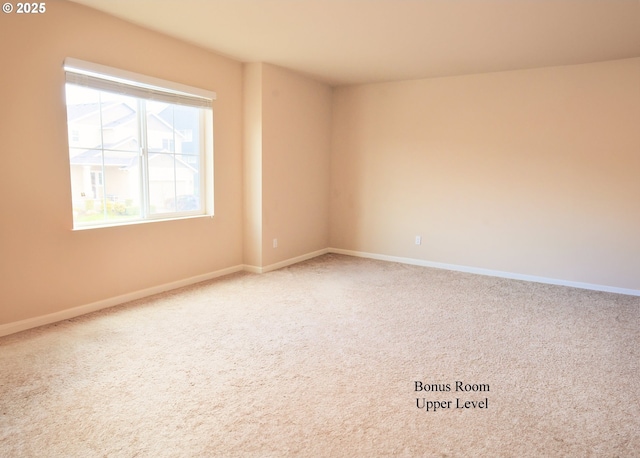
(320, 228)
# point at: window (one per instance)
(139, 148)
(96, 184)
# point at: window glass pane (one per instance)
(174, 183)
(119, 117)
(104, 193)
(187, 183)
(187, 126)
(173, 128)
(162, 183)
(87, 185)
(160, 131)
(122, 185)
(83, 117)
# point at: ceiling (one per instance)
(360, 41)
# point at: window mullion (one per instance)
(202, 157)
(175, 160)
(103, 170)
(144, 159)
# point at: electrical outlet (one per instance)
(418, 240)
(275, 243)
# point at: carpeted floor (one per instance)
(321, 359)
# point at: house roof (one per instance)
(120, 114)
(118, 110)
(115, 114)
(93, 157)
(79, 110)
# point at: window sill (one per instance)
(137, 222)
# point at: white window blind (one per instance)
(117, 81)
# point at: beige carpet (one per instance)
(321, 359)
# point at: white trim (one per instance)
(252, 269)
(285, 263)
(90, 68)
(23, 325)
(139, 221)
(297, 259)
(488, 272)
(17, 326)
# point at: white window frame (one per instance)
(102, 77)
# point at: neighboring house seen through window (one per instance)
(139, 149)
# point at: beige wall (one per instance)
(531, 172)
(288, 153)
(45, 267)
(253, 165)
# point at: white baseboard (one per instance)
(17, 326)
(285, 263)
(492, 273)
(252, 269)
(23, 325)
